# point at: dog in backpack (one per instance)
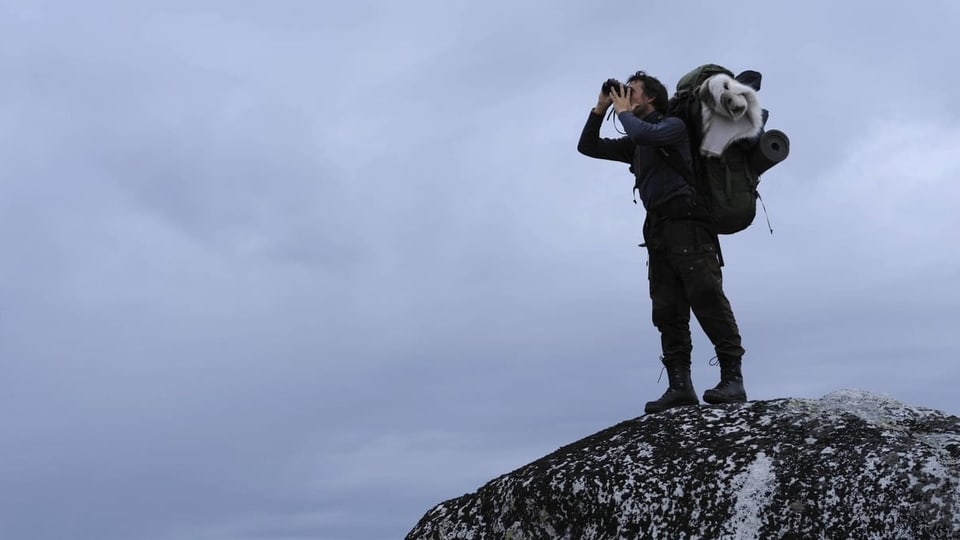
(731, 112)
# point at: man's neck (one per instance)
(642, 111)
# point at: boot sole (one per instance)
(724, 401)
(674, 406)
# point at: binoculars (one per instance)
(608, 87)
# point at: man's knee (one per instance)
(670, 316)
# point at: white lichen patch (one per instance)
(755, 488)
(876, 409)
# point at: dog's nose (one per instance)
(736, 107)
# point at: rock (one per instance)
(849, 465)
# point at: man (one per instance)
(683, 258)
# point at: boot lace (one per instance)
(726, 379)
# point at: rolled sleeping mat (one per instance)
(772, 148)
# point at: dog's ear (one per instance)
(705, 92)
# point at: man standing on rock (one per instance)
(682, 247)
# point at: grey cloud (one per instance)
(266, 277)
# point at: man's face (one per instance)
(640, 102)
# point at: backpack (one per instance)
(725, 177)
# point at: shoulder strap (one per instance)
(673, 159)
(676, 163)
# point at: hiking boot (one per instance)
(730, 388)
(679, 393)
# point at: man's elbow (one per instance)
(585, 148)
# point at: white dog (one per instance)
(731, 111)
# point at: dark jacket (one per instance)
(656, 180)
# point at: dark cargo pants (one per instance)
(684, 273)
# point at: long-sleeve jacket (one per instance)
(656, 180)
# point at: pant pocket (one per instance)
(700, 273)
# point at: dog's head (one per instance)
(726, 96)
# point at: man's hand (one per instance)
(621, 102)
(603, 103)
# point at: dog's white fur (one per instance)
(731, 111)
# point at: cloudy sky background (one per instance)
(301, 270)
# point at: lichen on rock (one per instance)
(849, 465)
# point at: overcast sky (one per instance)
(287, 271)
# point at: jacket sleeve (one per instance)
(669, 131)
(592, 145)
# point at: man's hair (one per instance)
(652, 87)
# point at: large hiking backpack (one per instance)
(728, 144)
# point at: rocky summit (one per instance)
(849, 465)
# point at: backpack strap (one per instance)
(676, 163)
(671, 158)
